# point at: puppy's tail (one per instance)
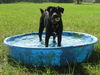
(41, 11)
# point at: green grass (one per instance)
(22, 18)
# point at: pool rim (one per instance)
(95, 40)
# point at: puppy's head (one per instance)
(55, 13)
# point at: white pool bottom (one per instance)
(32, 41)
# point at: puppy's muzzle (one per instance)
(54, 15)
(55, 18)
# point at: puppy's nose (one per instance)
(55, 15)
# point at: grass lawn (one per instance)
(22, 18)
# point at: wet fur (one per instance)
(52, 29)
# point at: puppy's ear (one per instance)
(61, 9)
(41, 11)
(49, 8)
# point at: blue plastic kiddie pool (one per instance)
(26, 49)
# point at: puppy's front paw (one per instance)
(59, 45)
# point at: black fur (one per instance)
(53, 27)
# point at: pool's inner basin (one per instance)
(32, 41)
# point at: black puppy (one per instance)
(51, 19)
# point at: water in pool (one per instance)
(33, 41)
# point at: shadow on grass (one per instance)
(95, 57)
(93, 60)
(73, 69)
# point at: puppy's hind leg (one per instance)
(41, 28)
